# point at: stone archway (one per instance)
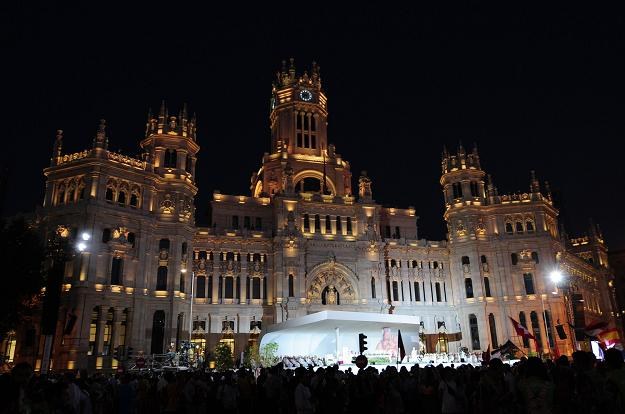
(329, 276)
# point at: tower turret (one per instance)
(463, 178)
(57, 149)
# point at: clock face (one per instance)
(305, 95)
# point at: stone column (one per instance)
(129, 325)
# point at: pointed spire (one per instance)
(57, 149)
(475, 149)
(292, 69)
(148, 124)
(101, 141)
(534, 184)
(460, 148)
(548, 191)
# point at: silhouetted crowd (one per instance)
(582, 385)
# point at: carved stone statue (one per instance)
(364, 187)
(331, 299)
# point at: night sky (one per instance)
(536, 89)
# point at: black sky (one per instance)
(535, 88)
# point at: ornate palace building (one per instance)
(303, 240)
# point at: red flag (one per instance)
(595, 328)
(609, 337)
(522, 330)
(402, 350)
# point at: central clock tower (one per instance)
(301, 159)
(298, 112)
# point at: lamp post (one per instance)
(58, 254)
(191, 305)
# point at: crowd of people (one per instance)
(580, 385)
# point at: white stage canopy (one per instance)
(336, 332)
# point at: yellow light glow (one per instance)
(71, 364)
(99, 287)
(130, 291)
(160, 293)
(116, 288)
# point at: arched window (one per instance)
(435, 264)
(317, 224)
(200, 287)
(349, 225)
(483, 259)
(109, 194)
(170, 158)
(417, 292)
(493, 330)
(393, 263)
(158, 332)
(535, 257)
(163, 244)
(291, 287)
(339, 225)
(437, 287)
(509, 228)
(415, 264)
(328, 225)
(184, 248)
(134, 200)
(529, 225)
(116, 271)
(523, 322)
(306, 223)
(514, 258)
(465, 260)
(229, 256)
(61, 195)
(71, 194)
(536, 329)
(487, 287)
(106, 235)
(519, 227)
(528, 281)
(121, 197)
(161, 278)
(475, 333)
(181, 284)
(372, 288)
(229, 287)
(131, 238)
(468, 287)
(395, 291)
(308, 185)
(256, 288)
(474, 189)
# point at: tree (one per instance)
(21, 254)
(268, 356)
(251, 356)
(223, 356)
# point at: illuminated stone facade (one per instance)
(303, 240)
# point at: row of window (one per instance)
(72, 194)
(306, 131)
(229, 287)
(328, 224)
(514, 258)
(170, 160)
(528, 283)
(395, 290)
(432, 264)
(122, 197)
(474, 187)
(519, 227)
(249, 223)
(394, 235)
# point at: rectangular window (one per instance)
(256, 288)
(395, 291)
(487, 287)
(438, 292)
(299, 140)
(349, 225)
(528, 281)
(258, 223)
(246, 222)
(397, 233)
(235, 222)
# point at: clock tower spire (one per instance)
(299, 139)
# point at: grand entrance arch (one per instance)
(332, 284)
